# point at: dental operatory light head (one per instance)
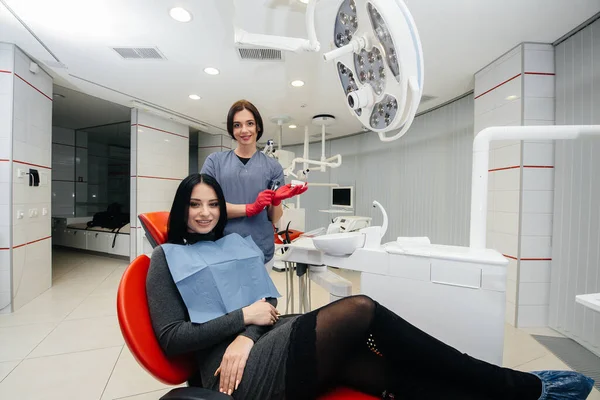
(379, 62)
(378, 59)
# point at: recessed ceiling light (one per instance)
(297, 83)
(292, 127)
(304, 1)
(211, 71)
(512, 97)
(180, 14)
(194, 97)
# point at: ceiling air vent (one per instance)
(139, 53)
(258, 54)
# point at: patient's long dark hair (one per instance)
(178, 218)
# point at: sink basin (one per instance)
(340, 244)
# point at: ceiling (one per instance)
(75, 110)
(459, 37)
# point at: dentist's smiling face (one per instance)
(203, 212)
(244, 127)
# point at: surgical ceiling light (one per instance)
(180, 14)
(211, 71)
(194, 97)
(378, 59)
(297, 83)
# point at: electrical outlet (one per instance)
(31, 213)
(44, 211)
(21, 173)
(20, 214)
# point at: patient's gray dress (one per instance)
(264, 374)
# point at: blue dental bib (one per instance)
(215, 278)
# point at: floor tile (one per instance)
(80, 335)
(95, 306)
(19, 341)
(129, 378)
(78, 376)
(6, 368)
(154, 395)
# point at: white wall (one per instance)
(423, 180)
(26, 132)
(159, 161)
(208, 144)
(517, 89)
(576, 236)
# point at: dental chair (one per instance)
(136, 327)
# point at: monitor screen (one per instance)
(341, 197)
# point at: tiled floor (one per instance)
(66, 344)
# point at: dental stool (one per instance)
(134, 319)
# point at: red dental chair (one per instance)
(136, 327)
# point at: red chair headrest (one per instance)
(136, 327)
(156, 226)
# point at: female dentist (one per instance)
(247, 177)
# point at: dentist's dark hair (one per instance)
(244, 105)
(178, 218)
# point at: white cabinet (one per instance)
(121, 245)
(75, 238)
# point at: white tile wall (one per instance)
(538, 179)
(539, 108)
(31, 134)
(508, 179)
(506, 222)
(536, 224)
(156, 154)
(529, 100)
(507, 156)
(536, 201)
(536, 246)
(538, 154)
(535, 271)
(532, 316)
(534, 294)
(498, 71)
(539, 86)
(507, 200)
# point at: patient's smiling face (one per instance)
(203, 211)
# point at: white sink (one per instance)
(340, 244)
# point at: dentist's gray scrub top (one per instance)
(241, 184)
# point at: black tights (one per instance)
(357, 342)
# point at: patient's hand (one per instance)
(233, 364)
(260, 313)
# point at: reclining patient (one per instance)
(211, 295)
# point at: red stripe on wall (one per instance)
(156, 177)
(511, 257)
(536, 259)
(497, 86)
(28, 243)
(17, 75)
(160, 130)
(3, 159)
(33, 165)
(5, 72)
(518, 166)
(540, 73)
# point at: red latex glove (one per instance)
(287, 191)
(264, 199)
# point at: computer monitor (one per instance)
(342, 197)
